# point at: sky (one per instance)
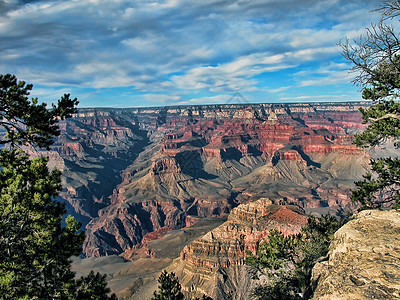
(115, 53)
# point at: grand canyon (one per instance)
(232, 150)
(191, 188)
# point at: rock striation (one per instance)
(129, 172)
(364, 259)
(140, 179)
(214, 263)
(247, 226)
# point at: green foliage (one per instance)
(91, 287)
(381, 129)
(35, 250)
(272, 255)
(281, 289)
(25, 121)
(287, 261)
(315, 241)
(276, 259)
(374, 192)
(375, 57)
(384, 81)
(381, 186)
(169, 288)
(32, 244)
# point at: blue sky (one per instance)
(115, 53)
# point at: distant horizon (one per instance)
(225, 104)
(181, 52)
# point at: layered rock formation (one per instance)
(214, 263)
(129, 172)
(247, 225)
(364, 259)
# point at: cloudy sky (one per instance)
(118, 53)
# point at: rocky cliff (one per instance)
(214, 263)
(130, 172)
(364, 259)
(247, 225)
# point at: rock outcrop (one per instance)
(214, 263)
(125, 226)
(364, 259)
(247, 225)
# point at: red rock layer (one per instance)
(248, 225)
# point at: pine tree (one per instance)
(169, 288)
(376, 60)
(287, 261)
(35, 250)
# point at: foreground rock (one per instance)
(364, 259)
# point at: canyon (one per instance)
(135, 177)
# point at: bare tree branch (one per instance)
(387, 116)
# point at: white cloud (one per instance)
(331, 74)
(312, 53)
(232, 76)
(278, 90)
(306, 38)
(321, 98)
(333, 77)
(175, 47)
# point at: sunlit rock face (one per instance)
(214, 263)
(130, 172)
(247, 226)
(364, 259)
